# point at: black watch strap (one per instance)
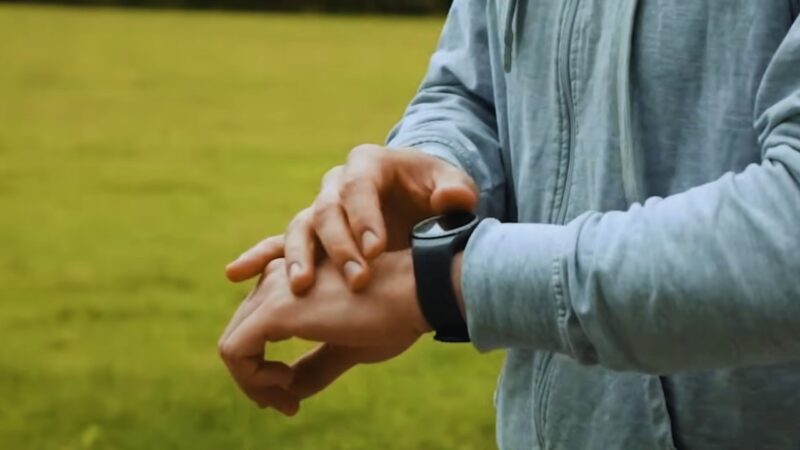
(437, 298)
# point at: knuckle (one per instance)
(365, 151)
(351, 184)
(299, 221)
(295, 251)
(323, 209)
(275, 265)
(226, 350)
(358, 220)
(332, 174)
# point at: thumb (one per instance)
(453, 190)
(318, 368)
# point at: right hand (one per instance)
(365, 207)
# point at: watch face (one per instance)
(441, 226)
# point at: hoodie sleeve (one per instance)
(452, 115)
(707, 278)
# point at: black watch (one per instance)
(435, 242)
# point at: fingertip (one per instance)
(286, 403)
(301, 277)
(454, 197)
(292, 409)
(357, 275)
(284, 410)
(300, 287)
(232, 272)
(243, 268)
(241, 271)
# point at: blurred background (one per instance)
(331, 6)
(141, 149)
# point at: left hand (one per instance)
(371, 325)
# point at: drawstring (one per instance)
(631, 166)
(508, 39)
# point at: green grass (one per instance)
(139, 152)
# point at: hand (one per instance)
(373, 325)
(364, 208)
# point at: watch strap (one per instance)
(437, 298)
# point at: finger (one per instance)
(271, 373)
(333, 232)
(253, 261)
(299, 250)
(453, 190)
(362, 182)
(255, 374)
(362, 206)
(251, 302)
(335, 236)
(283, 401)
(265, 324)
(252, 373)
(245, 308)
(242, 346)
(319, 368)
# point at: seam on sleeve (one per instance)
(460, 153)
(557, 281)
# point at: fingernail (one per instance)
(352, 269)
(295, 269)
(368, 241)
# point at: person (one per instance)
(637, 168)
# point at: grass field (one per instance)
(139, 152)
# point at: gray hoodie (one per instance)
(639, 168)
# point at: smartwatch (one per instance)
(434, 243)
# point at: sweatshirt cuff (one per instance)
(513, 283)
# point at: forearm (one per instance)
(704, 278)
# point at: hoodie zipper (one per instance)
(542, 401)
(565, 85)
(630, 159)
(567, 26)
